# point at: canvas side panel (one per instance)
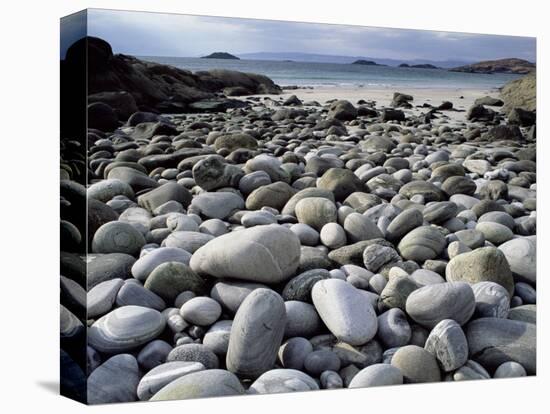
(73, 226)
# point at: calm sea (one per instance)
(343, 75)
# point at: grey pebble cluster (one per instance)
(293, 246)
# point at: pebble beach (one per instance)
(315, 239)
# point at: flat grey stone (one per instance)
(201, 310)
(493, 341)
(416, 364)
(124, 329)
(483, 264)
(521, 254)
(282, 380)
(346, 312)
(301, 319)
(217, 337)
(164, 374)
(194, 353)
(448, 344)
(492, 300)
(147, 263)
(377, 375)
(510, 369)
(190, 241)
(231, 293)
(393, 328)
(101, 297)
(115, 380)
(117, 237)
(359, 228)
(153, 354)
(316, 212)
(321, 360)
(218, 205)
(430, 304)
(132, 293)
(105, 267)
(293, 352)
(256, 334)
(265, 254)
(421, 244)
(201, 384)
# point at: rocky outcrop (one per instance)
(512, 65)
(520, 93)
(155, 87)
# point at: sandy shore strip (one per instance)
(462, 99)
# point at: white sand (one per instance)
(383, 97)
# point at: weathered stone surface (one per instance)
(483, 264)
(256, 334)
(416, 364)
(293, 352)
(448, 344)
(427, 190)
(268, 254)
(431, 304)
(492, 300)
(274, 195)
(521, 255)
(421, 244)
(162, 375)
(359, 228)
(125, 329)
(345, 311)
(282, 380)
(201, 384)
(169, 279)
(231, 293)
(377, 375)
(316, 212)
(115, 380)
(166, 192)
(493, 341)
(143, 267)
(403, 224)
(218, 205)
(194, 352)
(393, 328)
(341, 182)
(108, 267)
(117, 237)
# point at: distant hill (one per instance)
(220, 55)
(366, 62)
(511, 65)
(321, 58)
(420, 66)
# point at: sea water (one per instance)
(343, 75)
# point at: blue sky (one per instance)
(141, 33)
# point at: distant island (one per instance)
(220, 55)
(511, 65)
(342, 59)
(366, 62)
(420, 66)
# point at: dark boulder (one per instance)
(522, 117)
(503, 133)
(480, 113)
(101, 116)
(122, 102)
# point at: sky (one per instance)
(158, 34)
